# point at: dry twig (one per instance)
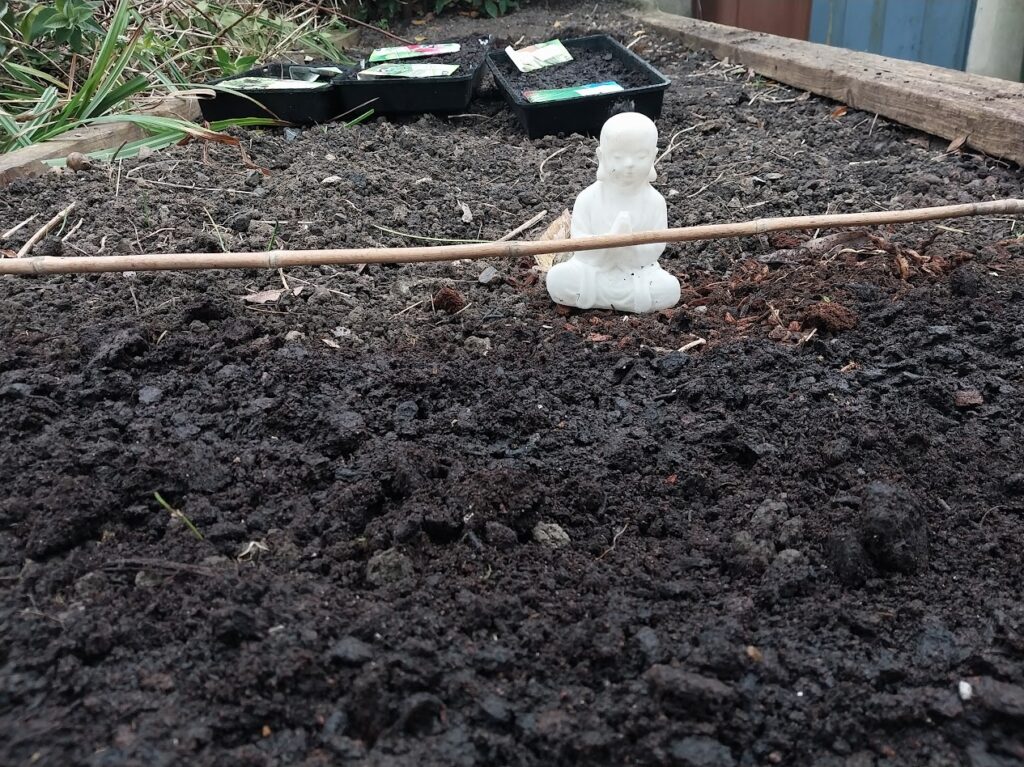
(17, 227)
(523, 227)
(44, 230)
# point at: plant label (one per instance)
(538, 56)
(407, 70)
(562, 94)
(413, 51)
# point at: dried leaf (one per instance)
(559, 229)
(269, 296)
(598, 337)
(331, 342)
(838, 112)
(467, 214)
(955, 144)
(903, 266)
(804, 96)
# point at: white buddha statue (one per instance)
(622, 200)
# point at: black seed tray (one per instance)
(406, 95)
(299, 106)
(587, 114)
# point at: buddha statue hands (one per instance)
(621, 201)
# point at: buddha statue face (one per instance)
(629, 146)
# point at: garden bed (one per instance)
(797, 542)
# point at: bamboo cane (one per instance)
(276, 259)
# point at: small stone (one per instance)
(91, 584)
(647, 640)
(240, 222)
(149, 395)
(79, 162)
(768, 515)
(145, 153)
(387, 567)
(294, 335)
(290, 134)
(789, 558)
(477, 345)
(345, 748)
(550, 534)
(350, 651)
(495, 708)
(254, 178)
(500, 536)
(146, 580)
(488, 275)
(700, 751)
(332, 180)
(966, 398)
(940, 332)
(755, 552)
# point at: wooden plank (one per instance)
(943, 102)
(29, 161)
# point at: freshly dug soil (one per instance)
(588, 65)
(445, 522)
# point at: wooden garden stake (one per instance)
(279, 259)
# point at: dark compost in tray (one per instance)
(400, 95)
(596, 59)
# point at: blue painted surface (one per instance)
(932, 31)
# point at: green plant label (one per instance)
(563, 94)
(407, 70)
(538, 56)
(413, 51)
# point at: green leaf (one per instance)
(106, 66)
(121, 94)
(34, 23)
(491, 7)
(27, 75)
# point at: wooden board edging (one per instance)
(944, 102)
(29, 161)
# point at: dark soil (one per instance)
(469, 56)
(797, 542)
(588, 65)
